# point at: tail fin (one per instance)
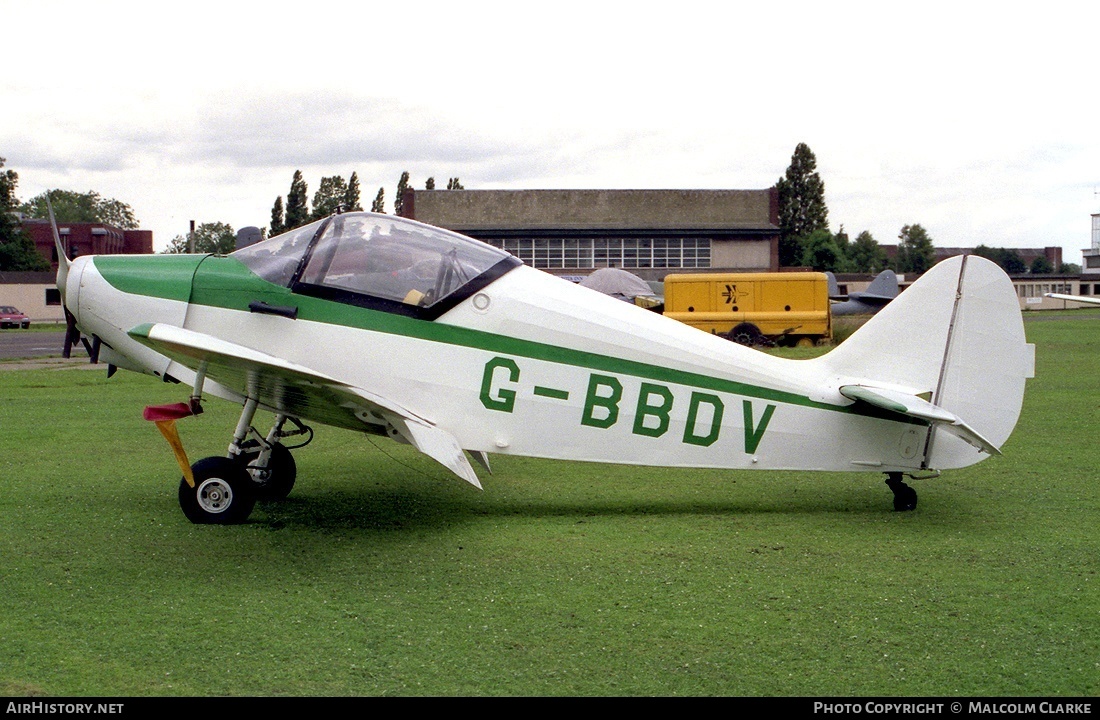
(953, 344)
(884, 286)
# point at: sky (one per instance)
(976, 120)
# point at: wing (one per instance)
(295, 390)
(1076, 298)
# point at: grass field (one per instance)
(383, 575)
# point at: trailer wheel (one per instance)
(745, 334)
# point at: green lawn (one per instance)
(383, 575)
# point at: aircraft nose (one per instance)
(70, 289)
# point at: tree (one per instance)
(430, 184)
(278, 225)
(801, 204)
(297, 202)
(1041, 266)
(865, 255)
(915, 251)
(1069, 269)
(454, 184)
(822, 252)
(1012, 263)
(330, 196)
(216, 237)
(17, 251)
(379, 204)
(399, 199)
(1009, 260)
(70, 206)
(351, 196)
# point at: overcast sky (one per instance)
(978, 121)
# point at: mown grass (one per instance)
(382, 575)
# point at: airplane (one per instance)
(624, 285)
(1088, 299)
(391, 327)
(882, 290)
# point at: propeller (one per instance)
(72, 332)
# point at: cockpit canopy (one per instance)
(380, 261)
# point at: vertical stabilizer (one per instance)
(884, 286)
(955, 338)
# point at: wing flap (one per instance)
(905, 403)
(292, 389)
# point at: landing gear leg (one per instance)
(272, 467)
(905, 497)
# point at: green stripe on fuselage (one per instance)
(162, 276)
(227, 283)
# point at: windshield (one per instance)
(380, 256)
(277, 259)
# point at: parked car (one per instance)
(10, 317)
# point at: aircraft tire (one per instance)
(223, 493)
(282, 472)
(905, 497)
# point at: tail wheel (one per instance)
(745, 334)
(276, 480)
(905, 497)
(223, 493)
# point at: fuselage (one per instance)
(529, 365)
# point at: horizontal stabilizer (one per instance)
(905, 403)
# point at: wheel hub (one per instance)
(214, 495)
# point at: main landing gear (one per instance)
(258, 469)
(905, 497)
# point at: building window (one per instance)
(53, 296)
(560, 253)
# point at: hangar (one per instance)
(648, 232)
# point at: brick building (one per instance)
(87, 238)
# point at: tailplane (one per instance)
(949, 350)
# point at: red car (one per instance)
(10, 317)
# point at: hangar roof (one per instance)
(474, 210)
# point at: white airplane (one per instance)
(1088, 299)
(392, 327)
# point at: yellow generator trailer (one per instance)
(753, 308)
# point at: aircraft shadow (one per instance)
(397, 510)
